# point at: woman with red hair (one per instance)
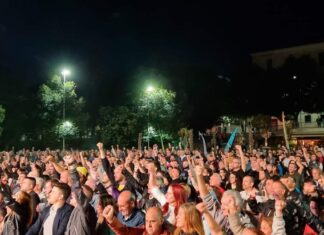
(171, 201)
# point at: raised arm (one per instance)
(213, 226)
(156, 192)
(56, 166)
(239, 151)
(105, 163)
(117, 227)
(203, 190)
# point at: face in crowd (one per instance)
(236, 164)
(55, 195)
(118, 173)
(126, 203)
(153, 221)
(215, 180)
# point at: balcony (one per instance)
(300, 130)
(308, 129)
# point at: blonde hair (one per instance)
(192, 218)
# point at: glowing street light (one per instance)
(65, 73)
(150, 89)
(67, 124)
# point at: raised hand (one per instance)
(199, 170)
(100, 145)
(201, 207)
(108, 213)
(279, 205)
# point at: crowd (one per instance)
(152, 192)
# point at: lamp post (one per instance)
(149, 89)
(65, 73)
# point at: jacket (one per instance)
(120, 229)
(213, 206)
(278, 226)
(11, 225)
(131, 183)
(17, 222)
(59, 224)
(297, 214)
(83, 218)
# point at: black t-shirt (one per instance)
(239, 174)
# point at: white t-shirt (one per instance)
(48, 224)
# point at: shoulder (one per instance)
(139, 213)
(46, 210)
(67, 208)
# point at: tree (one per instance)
(51, 96)
(118, 125)
(158, 107)
(2, 117)
(262, 123)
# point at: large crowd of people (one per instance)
(162, 192)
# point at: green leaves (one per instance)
(118, 125)
(51, 96)
(158, 107)
(122, 124)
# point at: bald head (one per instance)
(154, 212)
(126, 203)
(153, 221)
(126, 196)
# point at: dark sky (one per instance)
(105, 42)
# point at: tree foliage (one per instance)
(51, 110)
(158, 107)
(155, 109)
(262, 123)
(118, 125)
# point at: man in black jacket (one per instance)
(54, 219)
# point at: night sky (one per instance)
(108, 43)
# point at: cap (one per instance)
(82, 170)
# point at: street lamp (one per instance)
(65, 73)
(149, 89)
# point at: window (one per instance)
(308, 118)
(269, 64)
(321, 58)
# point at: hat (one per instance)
(82, 170)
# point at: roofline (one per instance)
(287, 49)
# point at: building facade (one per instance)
(276, 58)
